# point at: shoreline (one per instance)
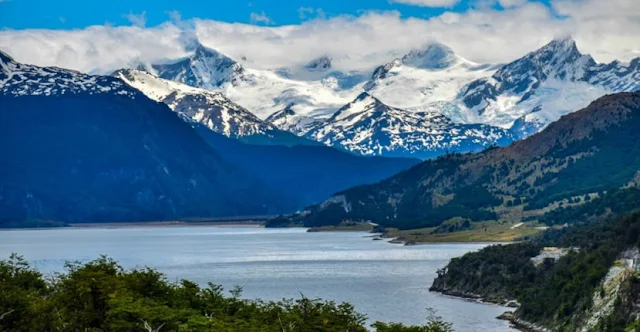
(169, 223)
(398, 239)
(508, 315)
(222, 224)
(474, 297)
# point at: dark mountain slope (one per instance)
(306, 174)
(81, 148)
(594, 149)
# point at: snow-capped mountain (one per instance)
(19, 79)
(524, 95)
(431, 75)
(369, 127)
(314, 89)
(211, 109)
(433, 56)
(322, 70)
(544, 85)
(289, 120)
(205, 68)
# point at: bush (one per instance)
(102, 296)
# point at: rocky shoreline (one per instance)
(516, 323)
(520, 324)
(476, 297)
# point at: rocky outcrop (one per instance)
(611, 291)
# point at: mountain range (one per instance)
(587, 152)
(296, 135)
(544, 85)
(369, 127)
(85, 148)
(510, 101)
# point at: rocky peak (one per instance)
(289, 109)
(4, 57)
(559, 59)
(322, 63)
(363, 103)
(282, 114)
(202, 51)
(205, 68)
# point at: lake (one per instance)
(387, 282)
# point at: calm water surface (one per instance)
(386, 281)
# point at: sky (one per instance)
(98, 36)
(73, 14)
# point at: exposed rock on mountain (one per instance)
(369, 127)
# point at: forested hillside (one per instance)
(557, 291)
(589, 151)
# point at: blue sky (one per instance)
(73, 14)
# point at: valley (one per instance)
(433, 186)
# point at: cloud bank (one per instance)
(607, 30)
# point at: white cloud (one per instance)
(260, 18)
(511, 3)
(139, 20)
(427, 3)
(483, 35)
(311, 13)
(174, 15)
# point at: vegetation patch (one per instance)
(102, 296)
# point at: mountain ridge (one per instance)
(211, 109)
(587, 151)
(523, 96)
(523, 85)
(370, 127)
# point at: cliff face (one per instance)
(617, 298)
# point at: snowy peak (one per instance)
(321, 64)
(425, 77)
(363, 103)
(369, 127)
(433, 56)
(565, 45)
(544, 85)
(19, 79)
(616, 76)
(211, 109)
(203, 53)
(559, 59)
(288, 119)
(205, 68)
